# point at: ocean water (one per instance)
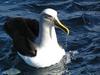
(82, 17)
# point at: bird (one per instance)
(36, 41)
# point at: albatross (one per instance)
(36, 41)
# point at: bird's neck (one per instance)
(46, 33)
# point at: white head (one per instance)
(50, 15)
(50, 12)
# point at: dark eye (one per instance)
(47, 16)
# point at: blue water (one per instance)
(81, 16)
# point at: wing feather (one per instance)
(21, 30)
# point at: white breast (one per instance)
(48, 51)
(46, 56)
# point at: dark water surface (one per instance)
(81, 16)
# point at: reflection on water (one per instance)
(17, 66)
(83, 20)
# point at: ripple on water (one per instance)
(81, 17)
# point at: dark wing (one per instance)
(22, 31)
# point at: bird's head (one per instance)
(50, 15)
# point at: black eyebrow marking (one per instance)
(47, 15)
